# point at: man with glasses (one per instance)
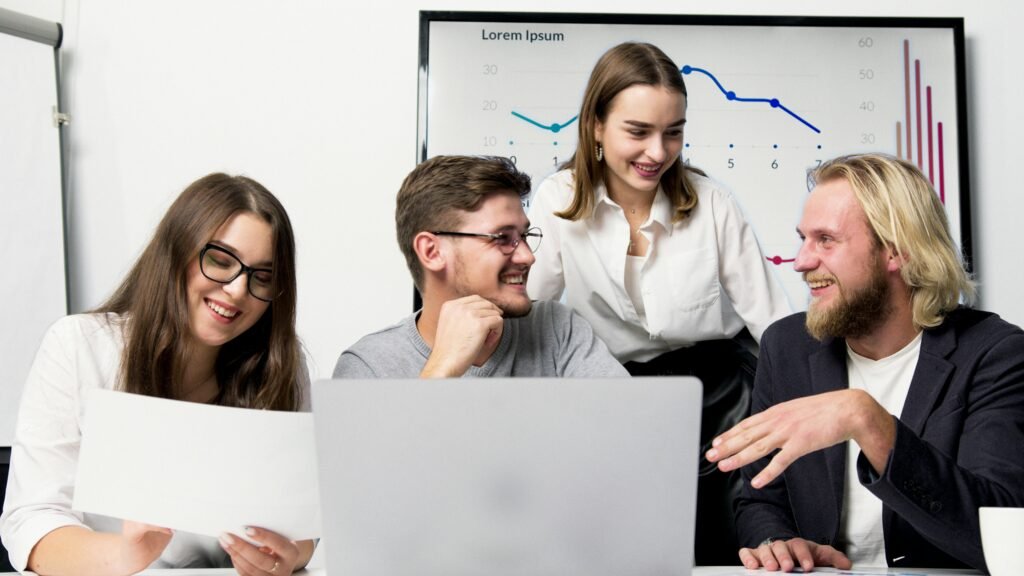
(469, 247)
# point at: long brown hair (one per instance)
(257, 369)
(625, 65)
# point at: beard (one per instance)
(510, 307)
(855, 314)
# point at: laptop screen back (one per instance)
(508, 476)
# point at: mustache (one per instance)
(819, 278)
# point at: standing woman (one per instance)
(206, 314)
(657, 257)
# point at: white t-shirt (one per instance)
(704, 278)
(887, 381)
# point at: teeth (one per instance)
(220, 310)
(649, 168)
(820, 283)
(519, 279)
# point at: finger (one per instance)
(802, 552)
(776, 466)
(781, 551)
(767, 557)
(242, 551)
(749, 559)
(273, 543)
(829, 556)
(244, 567)
(271, 539)
(738, 429)
(749, 446)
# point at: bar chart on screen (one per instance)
(766, 103)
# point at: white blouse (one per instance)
(78, 353)
(705, 277)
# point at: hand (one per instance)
(802, 426)
(784, 555)
(276, 555)
(465, 327)
(142, 544)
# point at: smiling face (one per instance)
(479, 266)
(842, 264)
(642, 136)
(220, 312)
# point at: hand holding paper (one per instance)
(198, 468)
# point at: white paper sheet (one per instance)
(198, 468)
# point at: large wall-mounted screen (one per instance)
(768, 99)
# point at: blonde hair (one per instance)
(906, 215)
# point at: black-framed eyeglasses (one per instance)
(221, 265)
(507, 242)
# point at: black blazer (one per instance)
(959, 443)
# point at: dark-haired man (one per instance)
(469, 247)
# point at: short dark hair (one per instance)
(436, 191)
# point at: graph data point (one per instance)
(730, 95)
(775, 102)
(687, 69)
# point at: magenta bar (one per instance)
(916, 80)
(928, 93)
(899, 140)
(942, 171)
(906, 91)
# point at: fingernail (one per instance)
(250, 530)
(226, 540)
(712, 454)
(716, 441)
(757, 483)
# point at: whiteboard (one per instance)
(768, 99)
(33, 289)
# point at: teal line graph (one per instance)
(555, 128)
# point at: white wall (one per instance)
(318, 101)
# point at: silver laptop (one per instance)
(495, 477)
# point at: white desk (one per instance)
(698, 571)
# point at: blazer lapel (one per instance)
(931, 376)
(828, 373)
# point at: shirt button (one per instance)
(935, 507)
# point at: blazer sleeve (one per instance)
(937, 490)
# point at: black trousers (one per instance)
(726, 369)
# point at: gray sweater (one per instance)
(551, 341)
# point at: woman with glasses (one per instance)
(206, 314)
(656, 255)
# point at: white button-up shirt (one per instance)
(705, 277)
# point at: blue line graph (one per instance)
(730, 95)
(555, 128)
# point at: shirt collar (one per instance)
(661, 210)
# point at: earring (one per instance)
(599, 151)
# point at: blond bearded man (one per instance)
(888, 413)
